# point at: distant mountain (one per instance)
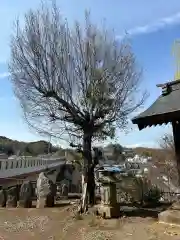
(13, 147)
(111, 151)
(153, 152)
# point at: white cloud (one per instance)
(5, 74)
(154, 26)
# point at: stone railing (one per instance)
(26, 162)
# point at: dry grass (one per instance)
(61, 224)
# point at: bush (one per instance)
(148, 192)
(153, 195)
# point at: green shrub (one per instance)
(153, 195)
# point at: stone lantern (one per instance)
(109, 207)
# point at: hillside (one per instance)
(13, 147)
(112, 151)
(158, 166)
(163, 161)
(159, 156)
(149, 151)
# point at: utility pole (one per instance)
(49, 144)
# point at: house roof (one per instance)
(111, 169)
(165, 109)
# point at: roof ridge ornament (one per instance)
(170, 83)
(166, 89)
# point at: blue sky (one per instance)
(152, 26)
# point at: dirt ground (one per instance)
(61, 223)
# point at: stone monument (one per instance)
(25, 195)
(64, 192)
(12, 197)
(45, 191)
(2, 198)
(109, 207)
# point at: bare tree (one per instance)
(76, 81)
(169, 160)
(167, 143)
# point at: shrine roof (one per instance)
(165, 109)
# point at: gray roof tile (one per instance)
(165, 109)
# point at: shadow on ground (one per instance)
(58, 204)
(142, 212)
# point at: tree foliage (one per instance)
(170, 163)
(114, 151)
(73, 80)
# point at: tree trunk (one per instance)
(89, 181)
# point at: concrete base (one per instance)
(170, 217)
(108, 211)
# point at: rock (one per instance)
(73, 188)
(12, 197)
(59, 189)
(25, 196)
(58, 192)
(49, 200)
(45, 191)
(65, 191)
(170, 217)
(2, 198)
(175, 206)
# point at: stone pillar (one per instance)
(12, 196)
(25, 196)
(2, 198)
(109, 207)
(65, 191)
(59, 191)
(45, 191)
(108, 194)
